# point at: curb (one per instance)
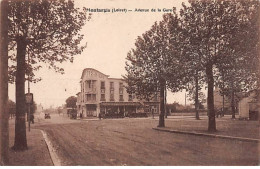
(209, 135)
(54, 157)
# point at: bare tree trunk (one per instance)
(211, 112)
(162, 106)
(223, 105)
(20, 142)
(223, 95)
(233, 101)
(4, 113)
(165, 101)
(197, 96)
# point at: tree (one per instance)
(145, 75)
(198, 98)
(150, 65)
(213, 31)
(195, 81)
(71, 102)
(242, 74)
(4, 121)
(47, 32)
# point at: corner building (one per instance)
(101, 94)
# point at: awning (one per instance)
(120, 104)
(151, 103)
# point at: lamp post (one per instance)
(29, 98)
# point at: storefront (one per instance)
(91, 110)
(122, 108)
(151, 108)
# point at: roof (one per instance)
(83, 72)
(93, 70)
(120, 104)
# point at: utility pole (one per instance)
(185, 99)
(4, 115)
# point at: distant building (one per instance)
(249, 106)
(101, 94)
(39, 108)
(224, 101)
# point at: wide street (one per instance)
(134, 142)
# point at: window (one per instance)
(88, 84)
(112, 91)
(112, 97)
(121, 98)
(88, 97)
(102, 85)
(130, 97)
(91, 97)
(93, 84)
(120, 85)
(121, 89)
(94, 97)
(102, 97)
(112, 85)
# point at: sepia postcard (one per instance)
(129, 83)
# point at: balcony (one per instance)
(121, 90)
(112, 99)
(91, 102)
(103, 90)
(121, 98)
(91, 90)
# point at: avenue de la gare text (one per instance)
(124, 10)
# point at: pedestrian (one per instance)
(217, 113)
(222, 112)
(32, 118)
(99, 116)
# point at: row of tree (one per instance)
(12, 108)
(212, 43)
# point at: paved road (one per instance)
(133, 142)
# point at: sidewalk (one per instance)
(37, 153)
(227, 128)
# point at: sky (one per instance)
(109, 37)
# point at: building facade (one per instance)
(101, 94)
(249, 106)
